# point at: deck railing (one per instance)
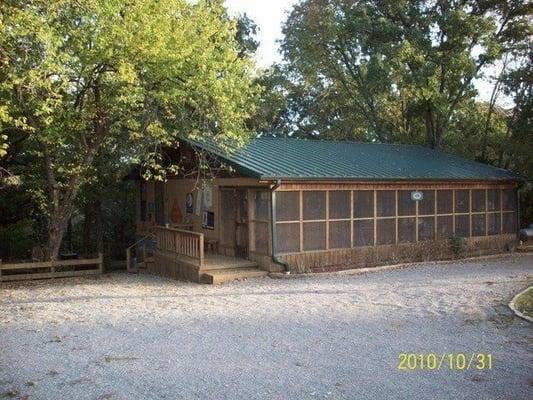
(181, 242)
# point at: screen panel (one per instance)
(462, 201)
(462, 225)
(478, 225)
(426, 228)
(261, 236)
(363, 203)
(386, 231)
(494, 223)
(363, 231)
(444, 201)
(509, 199)
(426, 206)
(406, 206)
(444, 227)
(287, 206)
(288, 237)
(478, 200)
(509, 222)
(493, 199)
(314, 236)
(386, 203)
(407, 230)
(339, 234)
(261, 205)
(314, 204)
(339, 204)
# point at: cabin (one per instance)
(296, 205)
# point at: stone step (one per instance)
(215, 277)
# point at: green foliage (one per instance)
(82, 80)
(17, 239)
(457, 246)
(392, 70)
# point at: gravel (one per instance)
(141, 337)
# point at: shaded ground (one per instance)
(140, 337)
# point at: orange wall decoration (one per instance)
(175, 213)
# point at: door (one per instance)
(241, 223)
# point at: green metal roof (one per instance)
(304, 159)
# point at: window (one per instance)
(478, 200)
(363, 204)
(339, 234)
(363, 231)
(339, 204)
(386, 231)
(287, 206)
(314, 205)
(444, 201)
(406, 230)
(478, 225)
(406, 206)
(386, 203)
(288, 237)
(426, 228)
(314, 236)
(462, 201)
(426, 206)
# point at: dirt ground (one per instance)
(141, 337)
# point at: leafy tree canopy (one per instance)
(393, 70)
(92, 78)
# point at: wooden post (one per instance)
(201, 249)
(100, 263)
(128, 259)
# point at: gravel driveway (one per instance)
(141, 337)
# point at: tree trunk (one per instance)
(99, 226)
(87, 228)
(56, 230)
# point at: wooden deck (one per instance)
(217, 261)
(180, 254)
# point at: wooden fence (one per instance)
(51, 269)
(181, 242)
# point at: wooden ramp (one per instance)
(219, 269)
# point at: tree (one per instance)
(88, 79)
(402, 67)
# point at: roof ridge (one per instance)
(339, 141)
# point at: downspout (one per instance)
(275, 258)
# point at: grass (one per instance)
(524, 302)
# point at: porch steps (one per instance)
(217, 276)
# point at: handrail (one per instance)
(140, 240)
(181, 242)
(129, 267)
